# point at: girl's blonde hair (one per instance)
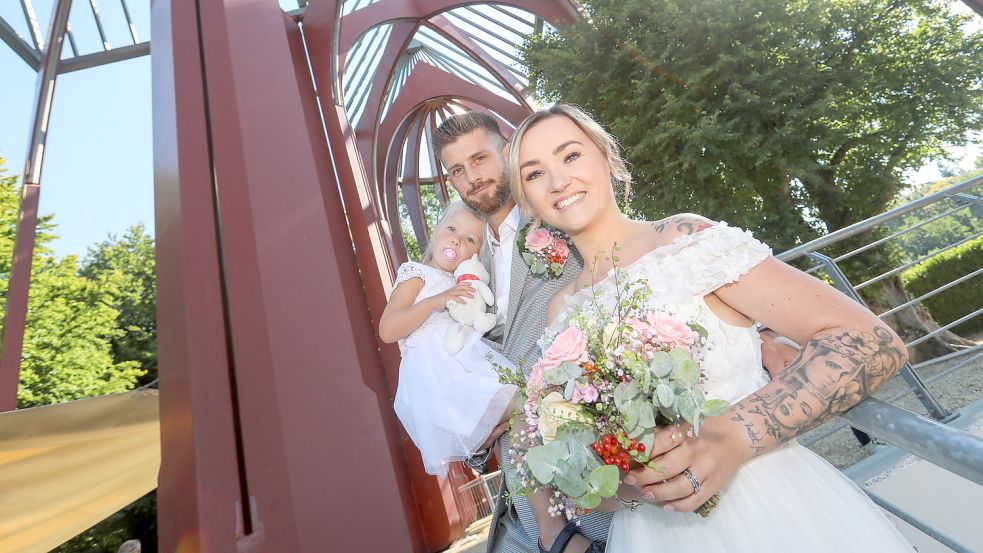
(600, 137)
(449, 210)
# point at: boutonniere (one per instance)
(544, 250)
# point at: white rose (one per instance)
(609, 333)
(554, 412)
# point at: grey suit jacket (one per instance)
(514, 529)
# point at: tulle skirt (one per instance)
(788, 500)
(449, 404)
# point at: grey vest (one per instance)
(515, 530)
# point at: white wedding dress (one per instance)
(789, 499)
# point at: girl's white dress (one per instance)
(449, 404)
(789, 499)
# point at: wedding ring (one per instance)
(630, 505)
(692, 480)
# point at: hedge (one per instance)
(959, 300)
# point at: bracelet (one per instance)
(630, 505)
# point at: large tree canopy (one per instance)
(792, 118)
(126, 266)
(71, 320)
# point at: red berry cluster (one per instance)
(554, 256)
(613, 452)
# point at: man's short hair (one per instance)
(456, 126)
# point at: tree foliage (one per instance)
(791, 118)
(71, 321)
(952, 225)
(126, 267)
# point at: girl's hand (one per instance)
(460, 293)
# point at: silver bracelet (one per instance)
(630, 505)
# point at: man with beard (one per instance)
(471, 147)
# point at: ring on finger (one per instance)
(692, 480)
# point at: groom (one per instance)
(470, 145)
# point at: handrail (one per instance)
(954, 450)
(867, 224)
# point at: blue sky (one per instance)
(98, 167)
(98, 170)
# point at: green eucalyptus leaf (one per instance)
(646, 415)
(661, 364)
(604, 480)
(543, 459)
(686, 373)
(699, 330)
(588, 501)
(626, 391)
(569, 480)
(686, 406)
(632, 412)
(562, 373)
(663, 392)
(568, 391)
(529, 258)
(578, 443)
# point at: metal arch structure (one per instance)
(283, 140)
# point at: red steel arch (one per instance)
(280, 249)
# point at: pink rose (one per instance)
(671, 331)
(584, 393)
(537, 378)
(561, 248)
(538, 239)
(569, 345)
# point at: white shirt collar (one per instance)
(511, 221)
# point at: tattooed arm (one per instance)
(848, 353)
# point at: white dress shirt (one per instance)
(501, 252)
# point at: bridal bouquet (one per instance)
(608, 379)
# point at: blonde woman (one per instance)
(776, 495)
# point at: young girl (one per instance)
(449, 404)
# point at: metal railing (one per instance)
(476, 499)
(932, 440)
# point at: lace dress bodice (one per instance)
(680, 274)
(435, 281)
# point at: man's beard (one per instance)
(491, 203)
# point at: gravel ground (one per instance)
(953, 391)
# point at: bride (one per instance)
(775, 494)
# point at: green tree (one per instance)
(70, 320)
(790, 118)
(944, 231)
(126, 267)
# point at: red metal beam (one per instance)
(15, 313)
(318, 444)
(199, 485)
(375, 258)
(558, 13)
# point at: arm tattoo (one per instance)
(683, 225)
(834, 372)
